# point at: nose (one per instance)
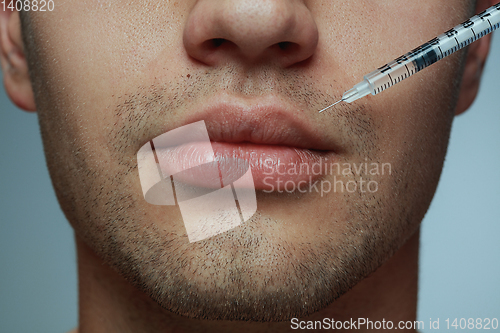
(282, 32)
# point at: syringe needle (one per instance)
(331, 106)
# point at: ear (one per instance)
(14, 65)
(474, 65)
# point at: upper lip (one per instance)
(269, 121)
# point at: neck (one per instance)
(108, 303)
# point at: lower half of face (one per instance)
(307, 243)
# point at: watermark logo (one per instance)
(179, 168)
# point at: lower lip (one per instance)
(274, 168)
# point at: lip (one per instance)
(279, 142)
(264, 120)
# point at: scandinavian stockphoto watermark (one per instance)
(352, 177)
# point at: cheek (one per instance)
(413, 123)
(358, 37)
(417, 114)
(89, 52)
(413, 118)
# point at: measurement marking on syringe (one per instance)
(490, 23)
(407, 70)
(439, 47)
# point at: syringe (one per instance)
(425, 55)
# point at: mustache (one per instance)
(292, 85)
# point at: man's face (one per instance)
(110, 76)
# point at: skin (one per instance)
(106, 78)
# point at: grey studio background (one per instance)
(460, 252)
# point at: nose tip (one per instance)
(282, 32)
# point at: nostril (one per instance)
(288, 47)
(213, 44)
(284, 45)
(216, 42)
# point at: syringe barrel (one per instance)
(434, 50)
